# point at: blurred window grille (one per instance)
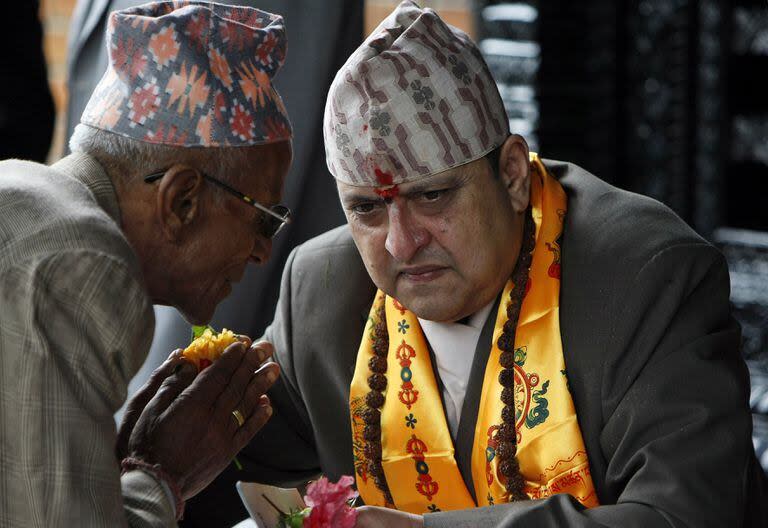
(507, 36)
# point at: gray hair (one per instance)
(130, 160)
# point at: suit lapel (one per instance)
(465, 436)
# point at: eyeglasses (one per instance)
(276, 216)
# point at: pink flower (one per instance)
(329, 504)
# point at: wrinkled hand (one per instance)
(188, 427)
(139, 400)
(375, 517)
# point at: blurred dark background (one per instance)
(667, 98)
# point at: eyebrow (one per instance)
(354, 198)
(421, 187)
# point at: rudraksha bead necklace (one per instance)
(508, 464)
(374, 400)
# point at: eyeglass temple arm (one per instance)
(287, 219)
(246, 198)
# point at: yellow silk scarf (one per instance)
(417, 449)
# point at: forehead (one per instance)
(447, 178)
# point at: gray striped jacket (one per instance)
(75, 325)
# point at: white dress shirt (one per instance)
(454, 347)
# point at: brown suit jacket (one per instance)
(651, 352)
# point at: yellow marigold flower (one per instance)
(208, 347)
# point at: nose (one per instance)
(262, 249)
(405, 236)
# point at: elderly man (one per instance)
(497, 340)
(169, 193)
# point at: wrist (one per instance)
(165, 480)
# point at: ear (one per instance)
(178, 199)
(515, 171)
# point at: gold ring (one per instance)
(238, 417)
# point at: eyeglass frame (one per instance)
(274, 211)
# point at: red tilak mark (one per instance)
(365, 127)
(384, 178)
(388, 193)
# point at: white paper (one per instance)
(256, 498)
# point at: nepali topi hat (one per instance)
(192, 73)
(415, 99)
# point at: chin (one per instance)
(440, 303)
(197, 316)
(196, 320)
(198, 308)
(434, 310)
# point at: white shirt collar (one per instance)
(454, 347)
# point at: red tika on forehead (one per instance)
(389, 192)
(385, 178)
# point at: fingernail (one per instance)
(268, 410)
(271, 375)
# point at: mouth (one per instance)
(421, 274)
